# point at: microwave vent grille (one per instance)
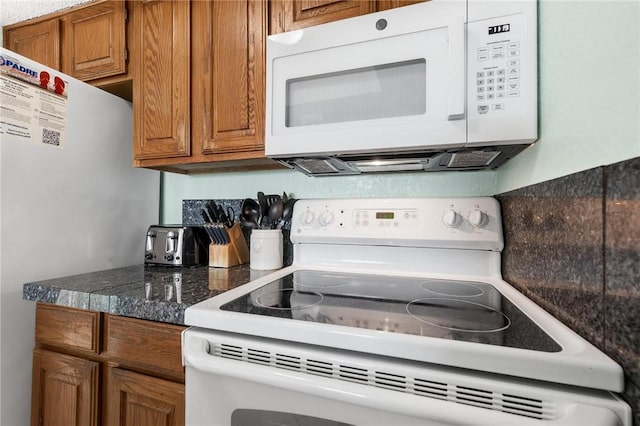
(472, 159)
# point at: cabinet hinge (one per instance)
(126, 14)
(126, 55)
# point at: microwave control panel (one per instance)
(497, 76)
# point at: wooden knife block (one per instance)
(232, 254)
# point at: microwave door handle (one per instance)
(457, 57)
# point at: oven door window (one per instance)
(391, 90)
(245, 417)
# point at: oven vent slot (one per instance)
(393, 380)
(288, 361)
(477, 397)
(229, 351)
(429, 388)
(523, 406)
(390, 381)
(258, 357)
(353, 374)
(320, 368)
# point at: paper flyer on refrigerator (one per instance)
(34, 103)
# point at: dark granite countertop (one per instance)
(153, 293)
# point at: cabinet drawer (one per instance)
(145, 345)
(68, 327)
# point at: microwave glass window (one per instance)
(391, 90)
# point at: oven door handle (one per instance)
(196, 356)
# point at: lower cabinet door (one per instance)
(64, 390)
(137, 400)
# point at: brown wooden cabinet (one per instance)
(288, 15)
(392, 4)
(94, 44)
(64, 390)
(134, 400)
(91, 368)
(228, 74)
(38, 40)
(161, 75)
(88, 42)
(199, 85)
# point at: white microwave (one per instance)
(440, 85)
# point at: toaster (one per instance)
(176, 245)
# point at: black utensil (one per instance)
(287, 213)
(231, 216)
(250, 213)
(205, 216)
(275, 213)
(224, 234)
(287, 210)
(248, 224)
(225, 216)
(207, 226)
(272, 199)
(264, 208)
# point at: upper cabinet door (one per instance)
(228, 76)
(39, 42)
(392, 4)
(287, 15)
(95, 41)
(161, 72)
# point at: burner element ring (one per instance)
(452, 289)
(288, 299)
(458, 315)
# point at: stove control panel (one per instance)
(389, 218)
(469, 222)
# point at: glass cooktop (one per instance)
(456, 310)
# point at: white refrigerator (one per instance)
(70, 200)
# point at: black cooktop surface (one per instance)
(456, 310)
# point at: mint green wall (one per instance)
(175, 188)
(589, 116)
(589, 60)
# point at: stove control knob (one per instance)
(325, 218)
(478, 219)
(452, 219)
(307, 217)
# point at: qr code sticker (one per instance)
(50, 137)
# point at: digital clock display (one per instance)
(384, 215)
(497, 29)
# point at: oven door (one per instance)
(232, 380)
(379, 82)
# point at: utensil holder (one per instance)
(266, 249)
(232, 254)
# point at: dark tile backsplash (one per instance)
(572, 245)
(622, 266)
(553, 248)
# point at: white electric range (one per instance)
(393, 312)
